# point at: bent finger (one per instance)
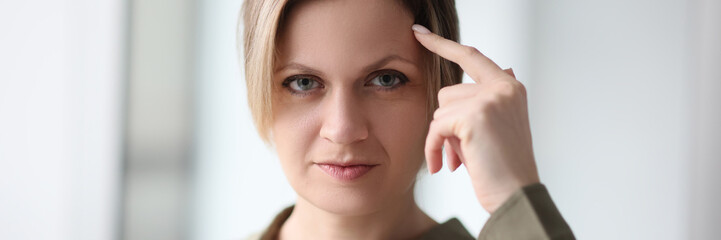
(452, 93)
(452, 159)
(439, 130)
(456, 146)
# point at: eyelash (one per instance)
(286, 84)
(402, 80)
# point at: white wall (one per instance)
(705, 214)
(238, 181)
(60, 86)
(610, 110)
(158, 127)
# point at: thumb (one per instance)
(510, 72)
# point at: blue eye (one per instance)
(301, 83)
(389, 79)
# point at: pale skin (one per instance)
(483, 125)
(343, 111)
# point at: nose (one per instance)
(343, 120)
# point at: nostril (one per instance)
(344, 129)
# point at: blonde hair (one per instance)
(262, 20)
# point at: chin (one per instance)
(347, 201)
(369, 194)
(362, 196)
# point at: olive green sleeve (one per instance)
(528, 214)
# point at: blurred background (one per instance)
(128, 119)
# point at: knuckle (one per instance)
(436, 41)
(464, 133)
(510, 88)
(505, 87)
(470, 51)
(436, 114)
(522, 88)
(443, 95)
(489, 103)
(486, 107)
(432, 125)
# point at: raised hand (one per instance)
(482, 125)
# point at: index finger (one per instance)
(479, 67)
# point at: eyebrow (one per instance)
(375, 65)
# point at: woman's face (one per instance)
(349, 104)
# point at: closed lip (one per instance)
(347, 163)
(346, 171)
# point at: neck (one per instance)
(402, 219)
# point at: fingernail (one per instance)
(420, 29)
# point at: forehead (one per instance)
(346, 34)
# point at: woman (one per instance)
(347, 94)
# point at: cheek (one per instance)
(401, 128)
(294, 127)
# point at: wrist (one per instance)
(491, 202)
